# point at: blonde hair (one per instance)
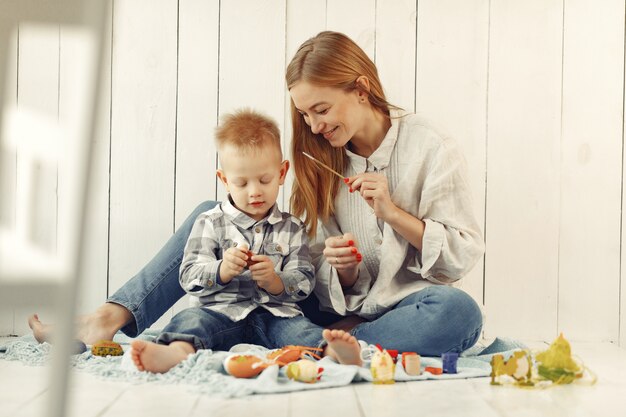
(247, 130)
(330, 59)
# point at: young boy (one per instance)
(246, 264)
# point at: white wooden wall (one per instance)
(533, 90)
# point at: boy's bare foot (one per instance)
(343, 347)
(152, 357)
(102, 324)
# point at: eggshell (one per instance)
(243, 366)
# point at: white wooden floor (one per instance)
(23, 392)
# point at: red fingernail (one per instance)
(351, 243)
(346, 180)
(353, 250)
(359, 257)
(351, 190)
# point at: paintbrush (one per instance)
(324, 165)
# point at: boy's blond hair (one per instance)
(247, 130)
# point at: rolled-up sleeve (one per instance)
(452, 242)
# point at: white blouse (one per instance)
(427, 177)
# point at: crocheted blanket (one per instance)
(204, 371)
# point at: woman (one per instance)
(405, 200)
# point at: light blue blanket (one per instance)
(204, 370)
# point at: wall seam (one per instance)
(176, 112)
(486, 150)
(108, 273)
(620, 312)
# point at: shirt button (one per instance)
(209, 283)
(278, 248)
(379, 241)
(258, 230)
(292, 288)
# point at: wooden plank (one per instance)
(38, 91)
(589, 243)
(523, 154)
(196, 162)
(8, 161)
(622, 316)
(263, 405)
(197, 105)
(315, 403)
(511, 401)
(262, 47)
(452, 44)
(162, 400)
(355, 18)
(392, 400)
(93, 289)
(23, 388)
(444, 398)
(395, 42)
(90, 395)
(302, 23)
(7, 209)
(142, 133)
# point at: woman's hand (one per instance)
(265, 276)
(342, 254)
(374, 189)
(233, 263)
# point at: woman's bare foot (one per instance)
(152, 357)
(102, 324)
(41, 331)
(343, 347)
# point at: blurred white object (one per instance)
(40, 268)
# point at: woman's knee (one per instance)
(455, 302)
(204, 206)
(465, 312)
(456, 317)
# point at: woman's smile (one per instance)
(329, 134)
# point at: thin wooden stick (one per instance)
(324, 165)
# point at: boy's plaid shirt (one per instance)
(280, 236)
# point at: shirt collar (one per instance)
(241, 219)
(378, 160)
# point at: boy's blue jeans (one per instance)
(207, 329)
(432, 321)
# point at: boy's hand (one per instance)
(233, 263)
(264, 275)
(250, 262)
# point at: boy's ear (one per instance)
(220, 174)
(284, 167)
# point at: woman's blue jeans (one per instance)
(432, 321)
